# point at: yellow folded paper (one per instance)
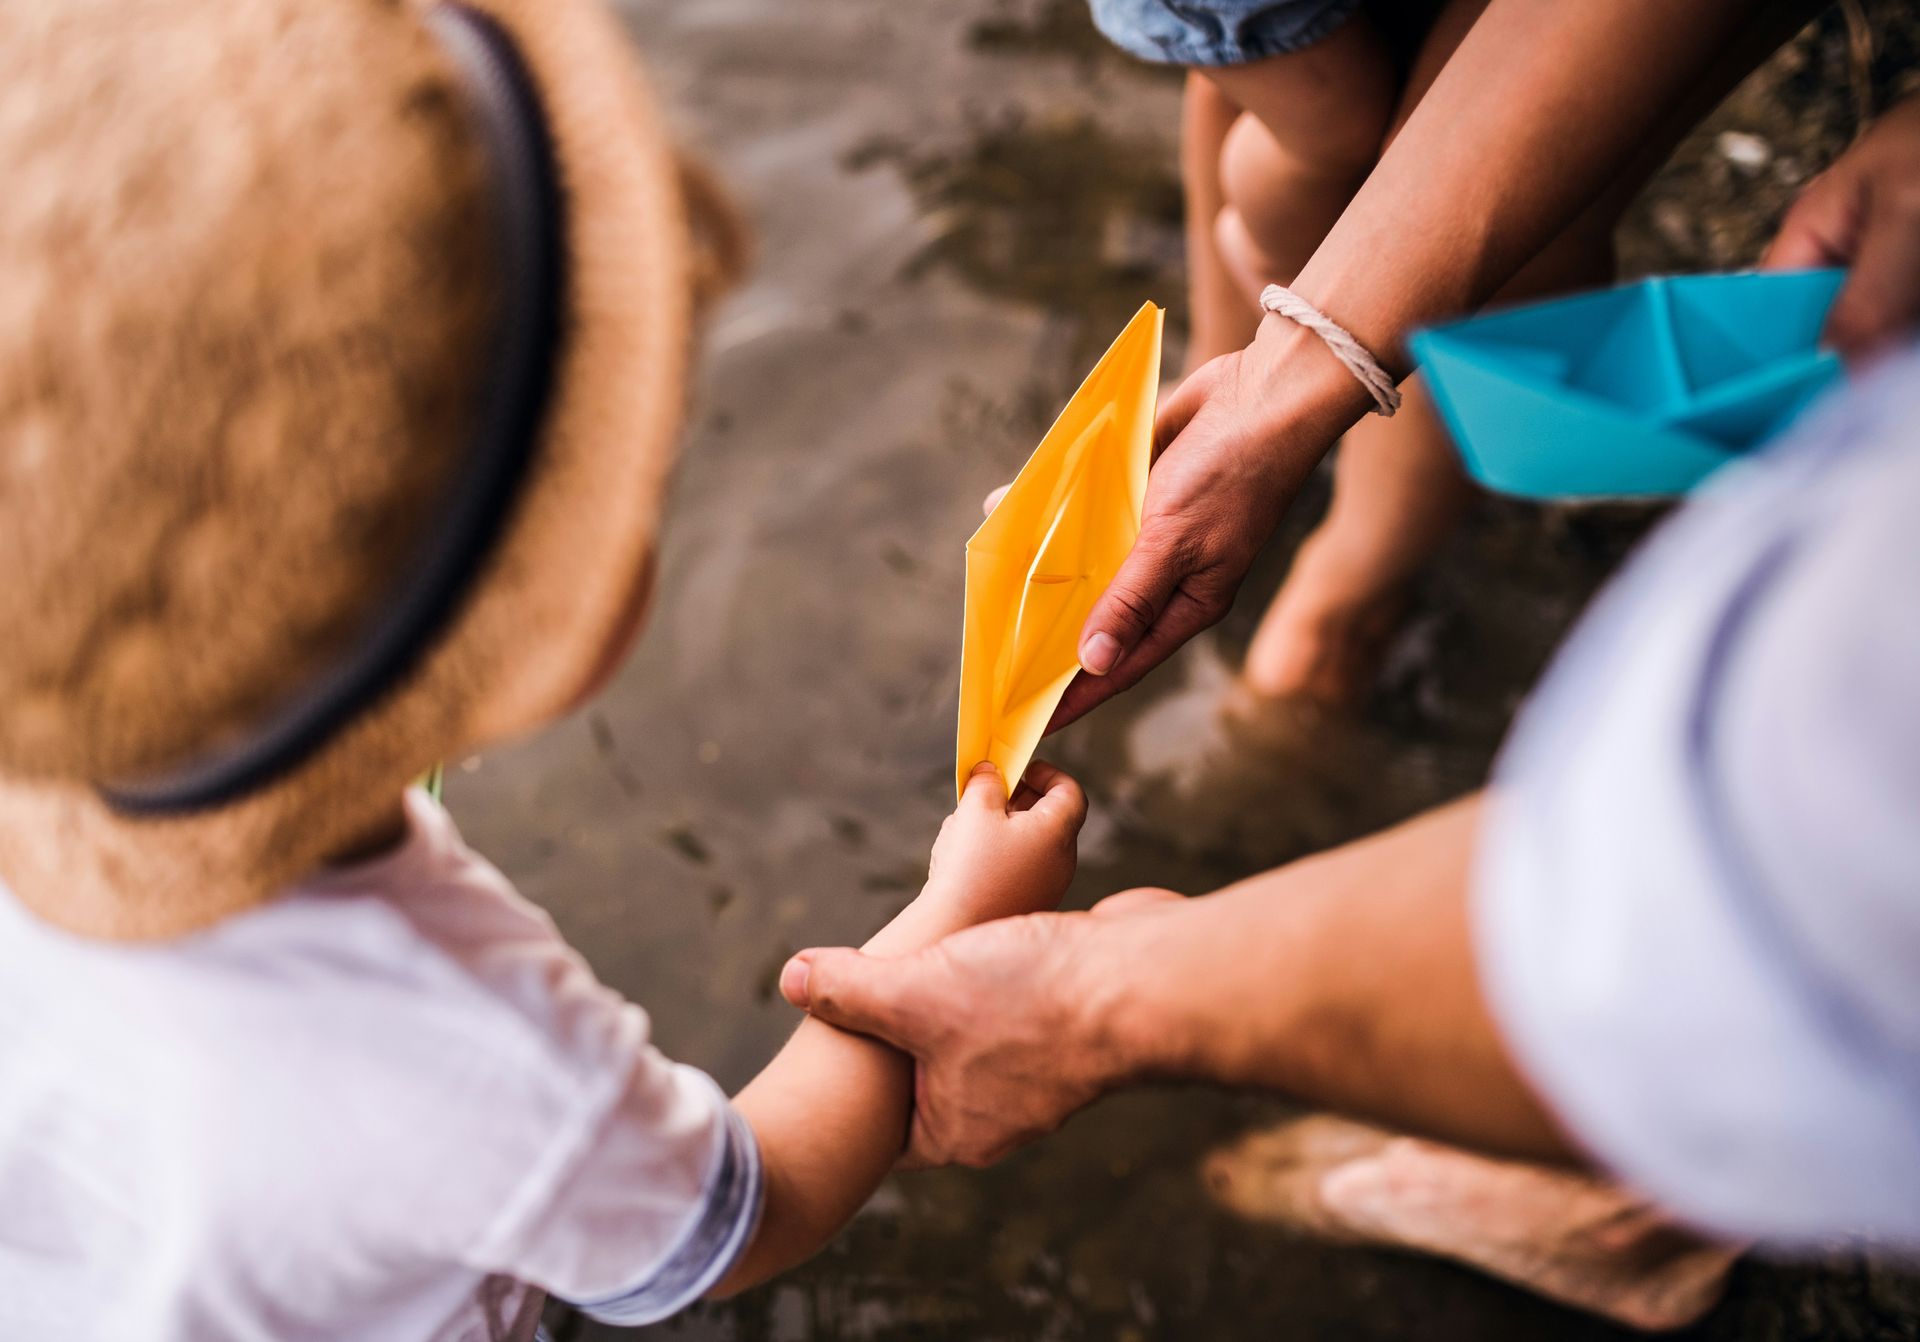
(1048, 550)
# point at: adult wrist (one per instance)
(1134, 1017)
(1302, 383)
(1185, 995)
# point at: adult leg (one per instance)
(1295, 164)
(1570, 1237)
(1311, 130)
(1219, 316)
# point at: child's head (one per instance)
(342, 351)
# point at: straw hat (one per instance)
(311, 311)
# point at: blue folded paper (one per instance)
(1644, 389)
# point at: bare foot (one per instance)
(1573, 1239)
(1274, 1174)
(1209, 768)
(1325, 634)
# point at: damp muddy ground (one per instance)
(958, 205)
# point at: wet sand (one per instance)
(958, 205)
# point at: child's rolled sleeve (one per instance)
(648, 1207)
(722, 1228)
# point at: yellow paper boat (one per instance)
(1048, 550)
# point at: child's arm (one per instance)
(831, 1111)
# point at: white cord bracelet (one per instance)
(1356, 356)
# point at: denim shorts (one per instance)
(1217, 32)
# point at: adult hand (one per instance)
(1864, 213)
(1003, 1021)
(1236, 440)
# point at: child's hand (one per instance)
(995, 860)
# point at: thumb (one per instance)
(1129, 606)
(863, 993)
(986, 790)
(1178, 408)
(1881, 298)
(1823, 226)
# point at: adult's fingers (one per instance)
(992, 500)
(1822, 228)
(925, 1150)
(1184, 616)
(1179, 407)
(920, 1154)
(1881, 298)
(867, 994)
(1873, 228)
(1133, 600)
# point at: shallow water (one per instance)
(958, 205)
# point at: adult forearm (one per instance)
(1543, 107)
(1347, 980)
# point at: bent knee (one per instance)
(1250, 264)
(1319, 113)
(1261, 173)
(1284, 209)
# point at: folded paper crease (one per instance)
(1048, 550)
(1643, 389)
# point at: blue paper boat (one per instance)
(1645, 389)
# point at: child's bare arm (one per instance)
(831, 1111)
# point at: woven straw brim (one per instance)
(536, 627)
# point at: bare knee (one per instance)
(1277, 207)
(1326, 107)
(1288, 163)
(1258, 161)
(1252, 268)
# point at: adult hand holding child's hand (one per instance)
(1007, 1023)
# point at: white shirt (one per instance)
(1698, 900)
(378, 1107)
